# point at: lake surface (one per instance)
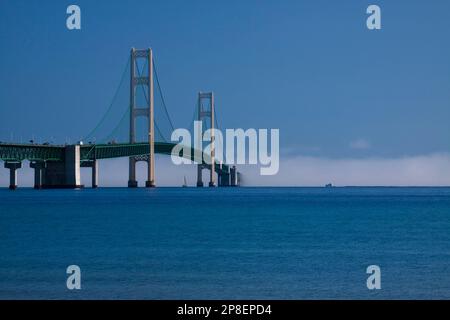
(225, 243)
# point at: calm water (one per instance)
(262, 243)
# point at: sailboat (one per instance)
(185, 182)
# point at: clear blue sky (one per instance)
(310, 68)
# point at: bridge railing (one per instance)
(20, 152)
(108, 151)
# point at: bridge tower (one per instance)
(206, 113)
(142, 111)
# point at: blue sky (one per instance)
(310, 68)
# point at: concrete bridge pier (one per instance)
(93, 164)
(150, 183)
(13, 166)
(234, 175)
(132, 182)
(212, 171)
(200, 183)
(94, 174)
(224, 179)
(38, 167)
(199, 176)
(64, 174)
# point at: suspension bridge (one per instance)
(58, 165)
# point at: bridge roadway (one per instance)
(37, 154)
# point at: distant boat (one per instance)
(328, 185)
(185, 182)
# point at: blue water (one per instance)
(244, 243)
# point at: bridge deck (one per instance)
(36, 152)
